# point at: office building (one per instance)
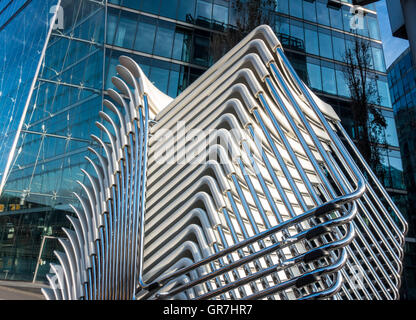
(402, 83)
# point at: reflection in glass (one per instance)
(336, 18)
(204, 9)
(322, 13)
(314, 76)
(328, 80)
(343, 89)
(311, 41)
(164, 39)
(309, 11)
(339, 47)
(186, 10)
(147, 31)
(296, 8)
(325, 44)
(21, 43)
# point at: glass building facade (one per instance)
(171, 40)
(402, 83)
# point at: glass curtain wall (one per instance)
(53, 141)
(24, 27)
(402, 84)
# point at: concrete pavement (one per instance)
(16, 290)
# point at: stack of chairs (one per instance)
(246, 186)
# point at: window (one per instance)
(283, 26)
(343, 89)
(296, 30)
(339, 47)
(296, 8)
(168, 8)
(328, 80)
(373, 27)
(283, 6)
(220, 13)
(164, 39)
(159, 74)
(146, 34)
(159, 77)
(309, 11)
(336, 18)
(311, 41)
(126, 30)
(186, 10)
(178, 46)
(111, 25)
(322, 13)
(396, 169)
(134, 4)
(314, 76)
(325, 44)
(378, 59)
(391, 132)
(150, 6)
(174, 81)
(363, 29)
(201, 50)
(383, 91)
(347, 18)
(204, 9)
(182, 46)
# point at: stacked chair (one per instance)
(246, 186)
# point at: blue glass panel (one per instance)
(322, 13)
(111, 25)
(145, 34)
(309, 11)
(152, 6)
(160, 77)
(378, 58)
(220, 13)
(314, 76)
(296, 30)
(383, 91)
(173, 83)
(396, 169)
(391, 132)
(311, 41)
(186, 10)
(328, 80)
(282, 26)
(339, 47)
(168, 8)
(164, 39)
(134, 4)
(126, 30)
(283, 6)
(19, 62)
(336, 18)
(295, 8)
(181, 46)
(204, 9)
(347, 18)
(373, 27)
(343, 89)
(178, 46)
(325, 44)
